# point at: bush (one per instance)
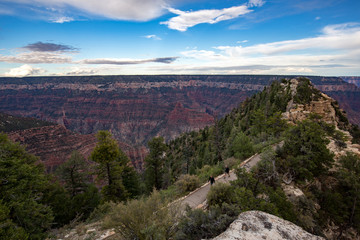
(101, 211)
(198, 224)
(187, 183)
(206, 171)
(149, 218)
(220, 193)
(231, 162)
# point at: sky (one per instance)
(115, 37)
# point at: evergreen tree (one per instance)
(305, 151)
(80, 197)
(22, 186)
(110, 167)
(349, 175)
(241, 146)
(154, 163)
(130, 177)
(74, 173)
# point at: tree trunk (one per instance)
(108, 174)
(353, 211)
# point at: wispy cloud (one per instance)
(152, 36)
(62, 19)
(243, 41)
(24, 70)
(188, 19)
(49, 47)
(137, 10)
(256, 3)
(36, 57)
(127, 61)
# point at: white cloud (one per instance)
(152, 36)
(336, 49)
(243, 41)
(256, 3)
(184, 20)
(62, 19)
(334, 37)
(24, 70)
(36, 57)
(138, 10)
(317, 18)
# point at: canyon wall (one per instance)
(353, 80)
(137, 108)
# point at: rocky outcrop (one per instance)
(321, 105)
(260, 225)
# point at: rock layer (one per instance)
(137, 108)
(54, 145)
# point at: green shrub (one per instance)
(187, 183)
(149, 218)
(198, 224)
(231, 162)
(101, 211)
(220, 193)
(170, 193)
(206, 171)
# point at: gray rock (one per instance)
(254, 225)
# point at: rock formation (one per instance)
(54, 144)
(137, 108)
(323, 106)
(260, 225)
(353, 80)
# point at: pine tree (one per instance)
(74, 173)
(22, 186)
(110, 167)
(154, 163)
(82, 196)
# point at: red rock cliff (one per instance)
(137, 108)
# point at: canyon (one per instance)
(137, 108)
(354, 80)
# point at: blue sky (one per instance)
(87, 37)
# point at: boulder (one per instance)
(260, 225)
